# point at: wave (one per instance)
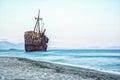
(118, 56)
(87, 67)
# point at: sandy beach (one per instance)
(13, 68)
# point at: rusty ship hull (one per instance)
(36, 40)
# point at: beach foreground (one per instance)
(13, 68)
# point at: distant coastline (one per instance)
(81, 49)
(10, 45)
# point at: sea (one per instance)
(103, 60)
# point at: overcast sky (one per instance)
(68, 23)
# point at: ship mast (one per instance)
(37, 24)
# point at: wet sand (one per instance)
(14, 68)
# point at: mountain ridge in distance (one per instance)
(9, 45)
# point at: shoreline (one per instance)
(84, 67)
(27, 69)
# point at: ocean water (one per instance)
(105, 60)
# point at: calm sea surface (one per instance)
(106, 60)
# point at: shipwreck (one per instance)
(36, 40)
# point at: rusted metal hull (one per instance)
(31, 47)
(35, 41)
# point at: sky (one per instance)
(69, 23)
